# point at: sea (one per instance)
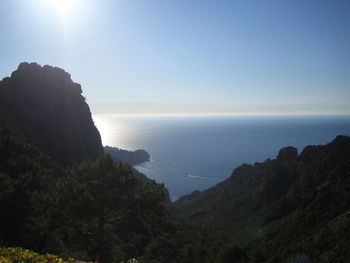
(195, 153)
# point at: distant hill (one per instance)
(131, 157)
(295, 207)
(43, 104)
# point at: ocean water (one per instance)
(195, 153)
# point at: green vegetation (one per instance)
(97, 210)
(20, 255)
(60, 194)
(295, 208)
(91, 210)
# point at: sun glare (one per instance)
(114, 132)
(63, 7)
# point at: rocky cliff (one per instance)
(43, 104)
(295, 207)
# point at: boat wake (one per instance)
(202, 177)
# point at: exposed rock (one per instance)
(44, 104)
(287, 154)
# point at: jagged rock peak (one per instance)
(42, 103)
(288, 153)
(52, 78)
(32, 67)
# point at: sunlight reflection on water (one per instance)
(113, 132)
(193, 153)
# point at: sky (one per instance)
(189, 57)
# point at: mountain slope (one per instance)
(293, 205)
(43, 104)
(131, 157)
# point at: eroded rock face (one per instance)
(43, 104)
(280, 205)
(287, 154)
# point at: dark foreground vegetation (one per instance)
(60, 194)
(91, 210)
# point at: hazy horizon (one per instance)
(191, 153)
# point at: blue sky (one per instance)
(189, 57)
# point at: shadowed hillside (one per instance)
(292, 205)
(46, 106)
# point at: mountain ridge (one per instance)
(282, 206)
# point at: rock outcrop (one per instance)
(287, 154)
(283, 208)
(43, 104)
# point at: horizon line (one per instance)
(160, 115)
